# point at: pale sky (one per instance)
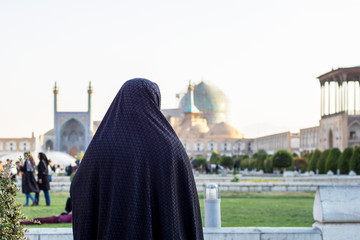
(264, 55)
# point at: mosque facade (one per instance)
(72, 131)
(203, 129)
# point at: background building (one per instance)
(309, 140)
(340, 122)
(72, 131)
(272, 143)
(10, 145)
(198, 136)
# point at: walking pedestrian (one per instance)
(29, 183)
(43, 178)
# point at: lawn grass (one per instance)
(237, 209)
(265, 209)
(58, 200)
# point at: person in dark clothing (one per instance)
(217, 168)
(29, 184)
(62, 218)
(43, 179)
(135, 180)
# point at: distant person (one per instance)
(29, 183)
(68, 170)
(217, 168)
(57, 170)
(43, 179)
(135, 180)
(51, 169)
(208, 168)
(1, 166)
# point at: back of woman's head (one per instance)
(42, 156)
(31, 159)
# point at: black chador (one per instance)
(135, 180)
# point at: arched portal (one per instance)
(49, 146)
(331, 142)
(72, 137)
(354, 131)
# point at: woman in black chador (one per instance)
(43, 178)
(135, 180)
(28, 183)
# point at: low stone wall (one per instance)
(283, 186)
(49, 234)
(246, 233)
(341, 179)
(270, 186)
(336, 214)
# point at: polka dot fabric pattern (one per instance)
(135, 180)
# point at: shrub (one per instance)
(355, 161)
(215, 158)
(320, 165)
(344, 160)
(332, 160)
(268, 165)
(301, 163)
(10, 211)
(201, 161)
(282, 159)
(252, 163)
(313, 160)
(227, 162)
(260, 158)
(248, 163)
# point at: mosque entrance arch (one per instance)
(331, 142)
(49, 146)
(72, 137)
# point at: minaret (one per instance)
(191, 112)
(56, 92)
(191, 107)
(90, 91)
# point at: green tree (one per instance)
(332, 160)
(215, 157)
(201, 161)
(252, 163)
(282, 159)
(260, 158)
(313, 160)
(301, 163)
(355, 161)
(268, 164)
(344, 160)
(320, 165)
(227, 162)
(10, 211)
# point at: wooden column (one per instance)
(354, 98)
(321, 100)
(329, 97)
(336, 88)
(347, 96)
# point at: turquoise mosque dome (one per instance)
(210, 100)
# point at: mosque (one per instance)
(72, 131)
(200, 123)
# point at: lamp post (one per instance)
(212, 205)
